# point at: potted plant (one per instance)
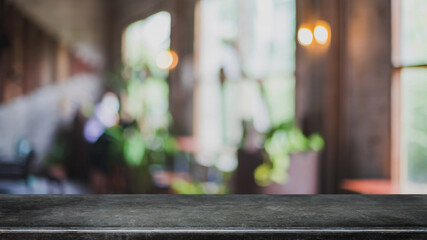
(290, 162)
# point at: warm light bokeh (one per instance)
(167, 60)
(321, 34)
(305, 36)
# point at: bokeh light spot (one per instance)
(167, 60)
(305, 36)
(321, 34)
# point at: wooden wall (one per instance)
(367, 87)
(27, 56)
(30, 56)
(344, 91)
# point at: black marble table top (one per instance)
(201, 217)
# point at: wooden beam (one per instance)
(367, 89)
(182, 79)
(318, 84)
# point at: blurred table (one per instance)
(209, 217)
(370, 186)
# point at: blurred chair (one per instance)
(20, 167)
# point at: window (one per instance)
(144, 41)
(251, 44)
(410, 94)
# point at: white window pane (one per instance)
(414, 32)
(414, 124)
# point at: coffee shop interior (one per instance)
(213, 96)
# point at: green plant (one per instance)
(280, 142)
(140, 136)
(61, 148)
(181, 186)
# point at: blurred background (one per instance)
(213, 96)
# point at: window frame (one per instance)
(399, 161)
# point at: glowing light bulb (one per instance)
(167, 60)
(305, 36)
(321, 34)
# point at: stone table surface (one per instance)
(213, 216)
